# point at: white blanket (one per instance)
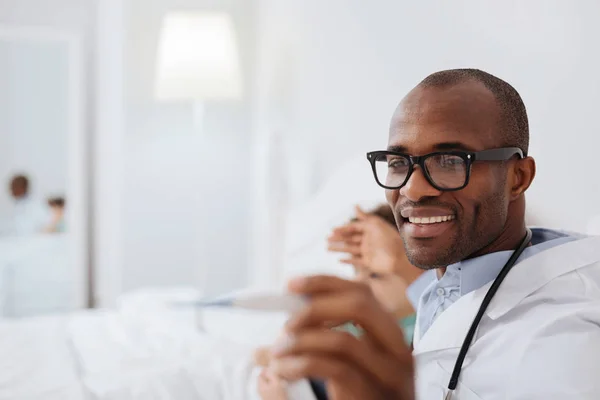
(121, 355)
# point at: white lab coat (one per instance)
(538, 340)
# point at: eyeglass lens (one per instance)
(447, 171)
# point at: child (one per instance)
(57, 222)
(389, 289)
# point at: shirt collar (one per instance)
(472, 274)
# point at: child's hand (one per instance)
(373, 244)
(270, 386)
(262, 356)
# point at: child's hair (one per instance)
(56, 202)
(383, 211)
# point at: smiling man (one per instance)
(513, 314)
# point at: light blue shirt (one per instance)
(431, 296)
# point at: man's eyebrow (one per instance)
(397, 149)
(444, 146)
(453, 146)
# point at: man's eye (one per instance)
(450, 161)
(374, 275)
(398, 163)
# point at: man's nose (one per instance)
(418, 187)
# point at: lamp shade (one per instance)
(197, 58)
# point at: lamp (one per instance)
(197, 60)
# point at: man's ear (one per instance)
(523, 174)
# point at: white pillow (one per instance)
(308, 226)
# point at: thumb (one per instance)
(360, 214)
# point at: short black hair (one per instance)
(514, 121)
(56, 202)
(20, 180)
(383, 211)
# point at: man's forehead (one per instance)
(463, 113)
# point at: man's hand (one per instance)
(372, 243)
(376, 366)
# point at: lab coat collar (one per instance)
(527, 276)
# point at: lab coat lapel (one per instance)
(450, 328)
(536, 271)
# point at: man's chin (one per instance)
(427, 254)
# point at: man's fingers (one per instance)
(316, 366)
(341, 345)
(343, 381)
(338, 300)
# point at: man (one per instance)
(455, 173)
(30, 216)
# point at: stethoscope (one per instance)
(484, 304)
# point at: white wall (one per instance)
(354, 60)
(74, 19)
(72, 16)
(33, 116)
(181, 185)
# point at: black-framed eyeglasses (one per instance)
(446, 170)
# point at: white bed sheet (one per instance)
(116, 355)
(36, 362)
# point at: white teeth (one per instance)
(430, 220)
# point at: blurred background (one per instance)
(212, 143)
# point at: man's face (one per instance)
(461, 117)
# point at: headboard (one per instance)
(307, 227)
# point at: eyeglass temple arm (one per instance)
(497, 154)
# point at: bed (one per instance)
(144, 349)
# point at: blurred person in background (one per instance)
(30, 216)
(57, 218)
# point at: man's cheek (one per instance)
(392, 197)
